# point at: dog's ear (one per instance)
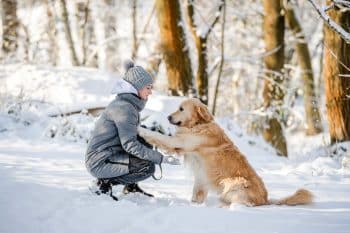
(204, 114)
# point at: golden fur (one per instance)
(216, 161)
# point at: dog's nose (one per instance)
(169, 118)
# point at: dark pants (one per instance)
(139, 169)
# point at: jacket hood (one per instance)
(122, 86)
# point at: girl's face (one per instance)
(145, 92)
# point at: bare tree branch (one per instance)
(333, 25)
(217, 17)
(190, 12)
(342, 3)
(222, 48)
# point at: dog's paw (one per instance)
(169, 159)
(143, 132)
(199, 195)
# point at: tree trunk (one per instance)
(83, 19)
(10, 25)
(313, 119)
(202, 58)
(202, 76)
(87, 34)
(68, 33)
(111, 32)
(274, 61)
(100, 32)
(202, 51)
(336, 75)
(134, 30)
(174, 47)
(51, 31)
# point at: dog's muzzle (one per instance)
(170, 119)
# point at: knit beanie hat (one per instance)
(136, 75)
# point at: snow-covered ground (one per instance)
(44, 184)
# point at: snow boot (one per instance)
(104, 186)
(134, 188)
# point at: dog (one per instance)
(217, 163)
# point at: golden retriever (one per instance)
(216, 161)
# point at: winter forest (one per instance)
(275, 74)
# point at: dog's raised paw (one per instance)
(142, 131)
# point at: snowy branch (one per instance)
(217, 16)
(342, 3)
(203, 32)
(222, 48)
(333, 25)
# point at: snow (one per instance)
(44, 183)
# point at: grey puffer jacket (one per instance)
(114, 139)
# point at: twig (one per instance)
(222, 55)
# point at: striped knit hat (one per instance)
(136, 75)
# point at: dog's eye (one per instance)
(181, 109)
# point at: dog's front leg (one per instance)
(173, 144)
(200, 193)
(151, 137)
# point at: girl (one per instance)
(115, 153)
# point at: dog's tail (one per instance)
(300, 197)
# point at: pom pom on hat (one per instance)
(128, 64)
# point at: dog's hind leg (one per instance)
(230, 184)
(234, 190)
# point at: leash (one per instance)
(161, 173)
(112, 196)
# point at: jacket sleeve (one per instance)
(126, 121)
